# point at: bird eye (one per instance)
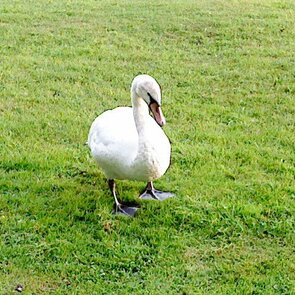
(152, 100)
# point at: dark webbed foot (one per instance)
(122, 209)
(151, 193)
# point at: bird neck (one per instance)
(146, 157)
(141, 115)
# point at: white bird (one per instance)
(127, 143)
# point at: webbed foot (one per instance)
(122, 209)
(151, 193)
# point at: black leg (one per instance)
(151, 193)
(118, 207)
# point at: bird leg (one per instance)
(118, 207)
(151, 193)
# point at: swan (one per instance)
(127, 143)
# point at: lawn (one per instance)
(227, 71)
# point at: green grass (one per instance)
(227, 72)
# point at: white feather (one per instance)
(127, 143)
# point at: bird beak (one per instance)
(157, 113)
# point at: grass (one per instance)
(227, 74)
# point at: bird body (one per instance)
(123, 153)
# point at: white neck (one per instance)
(141, 114)
(143, 162)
